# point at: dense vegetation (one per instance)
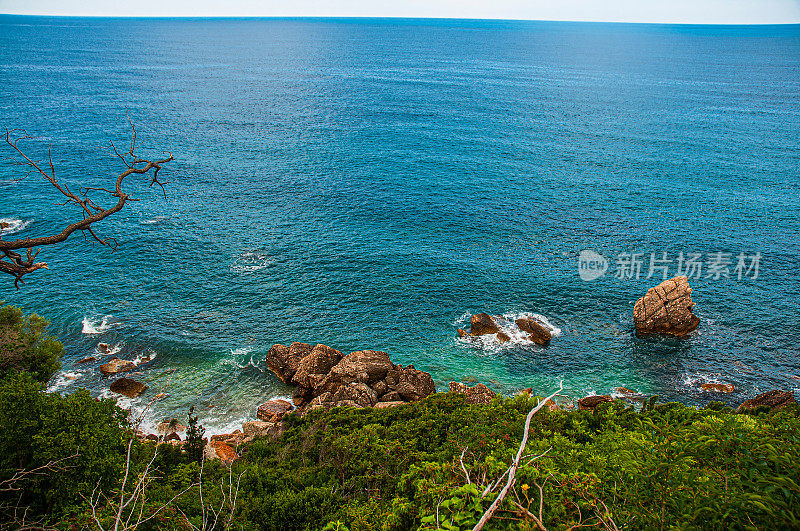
(666, 467)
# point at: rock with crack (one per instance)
(666, 309)
(482, 324)
(537, 332)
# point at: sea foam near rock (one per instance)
(14, 225)
(98, 326)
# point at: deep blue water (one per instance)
(368, 183)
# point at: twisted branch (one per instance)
(17, 265)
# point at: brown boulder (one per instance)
(357, 392)
(481, 324)
(666, 309)
(103, 348)
(301, 395)
(775, 400)
(128, 387)
(462, 333)
(368, 366)
(116, 365)
(538, 333)
(502, 337)
(414, 385)
(316, 363)
(479, 394)
(591, 402)
(717, 388)
(284, 361)
(273, 410)
(391, 396)
(223, 452)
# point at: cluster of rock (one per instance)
(666, 309)
(484, 324)
(325, 377)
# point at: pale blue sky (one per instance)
(671, 11)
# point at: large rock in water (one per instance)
(284, 361)
(128, 387)
(481, 324)
(666, 309)
(116, 365)
(775, 400)
(538, 333)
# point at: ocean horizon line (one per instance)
(342, 18)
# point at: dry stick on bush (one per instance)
(134, 504)
(17, 265)
(512, 470)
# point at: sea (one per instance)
(372, 183)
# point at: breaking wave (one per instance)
(98, 326)
(13, 224)
(507, 325)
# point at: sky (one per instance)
(663, 11)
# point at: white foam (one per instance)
(62, 380)
(241, 358)
(145, 357)
(506, 323)
(153, 221)
(14, 225)
(111, 352)
(249, 261)
(93, 326)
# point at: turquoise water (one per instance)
(371, 183)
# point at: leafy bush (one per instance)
(25, 345)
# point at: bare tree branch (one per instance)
(512, 470)
(12, 262)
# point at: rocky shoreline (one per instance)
(324, 378)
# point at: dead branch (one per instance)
(512, 470)
(17, 265)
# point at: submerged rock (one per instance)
(502, 337)
(87, 359)
(666, 309)
(478, 394)
(482, 324)
(116, 365)
(462, 333)
(775, 400)
(128, 387)
(538, 333)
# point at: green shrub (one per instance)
(25, 345)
